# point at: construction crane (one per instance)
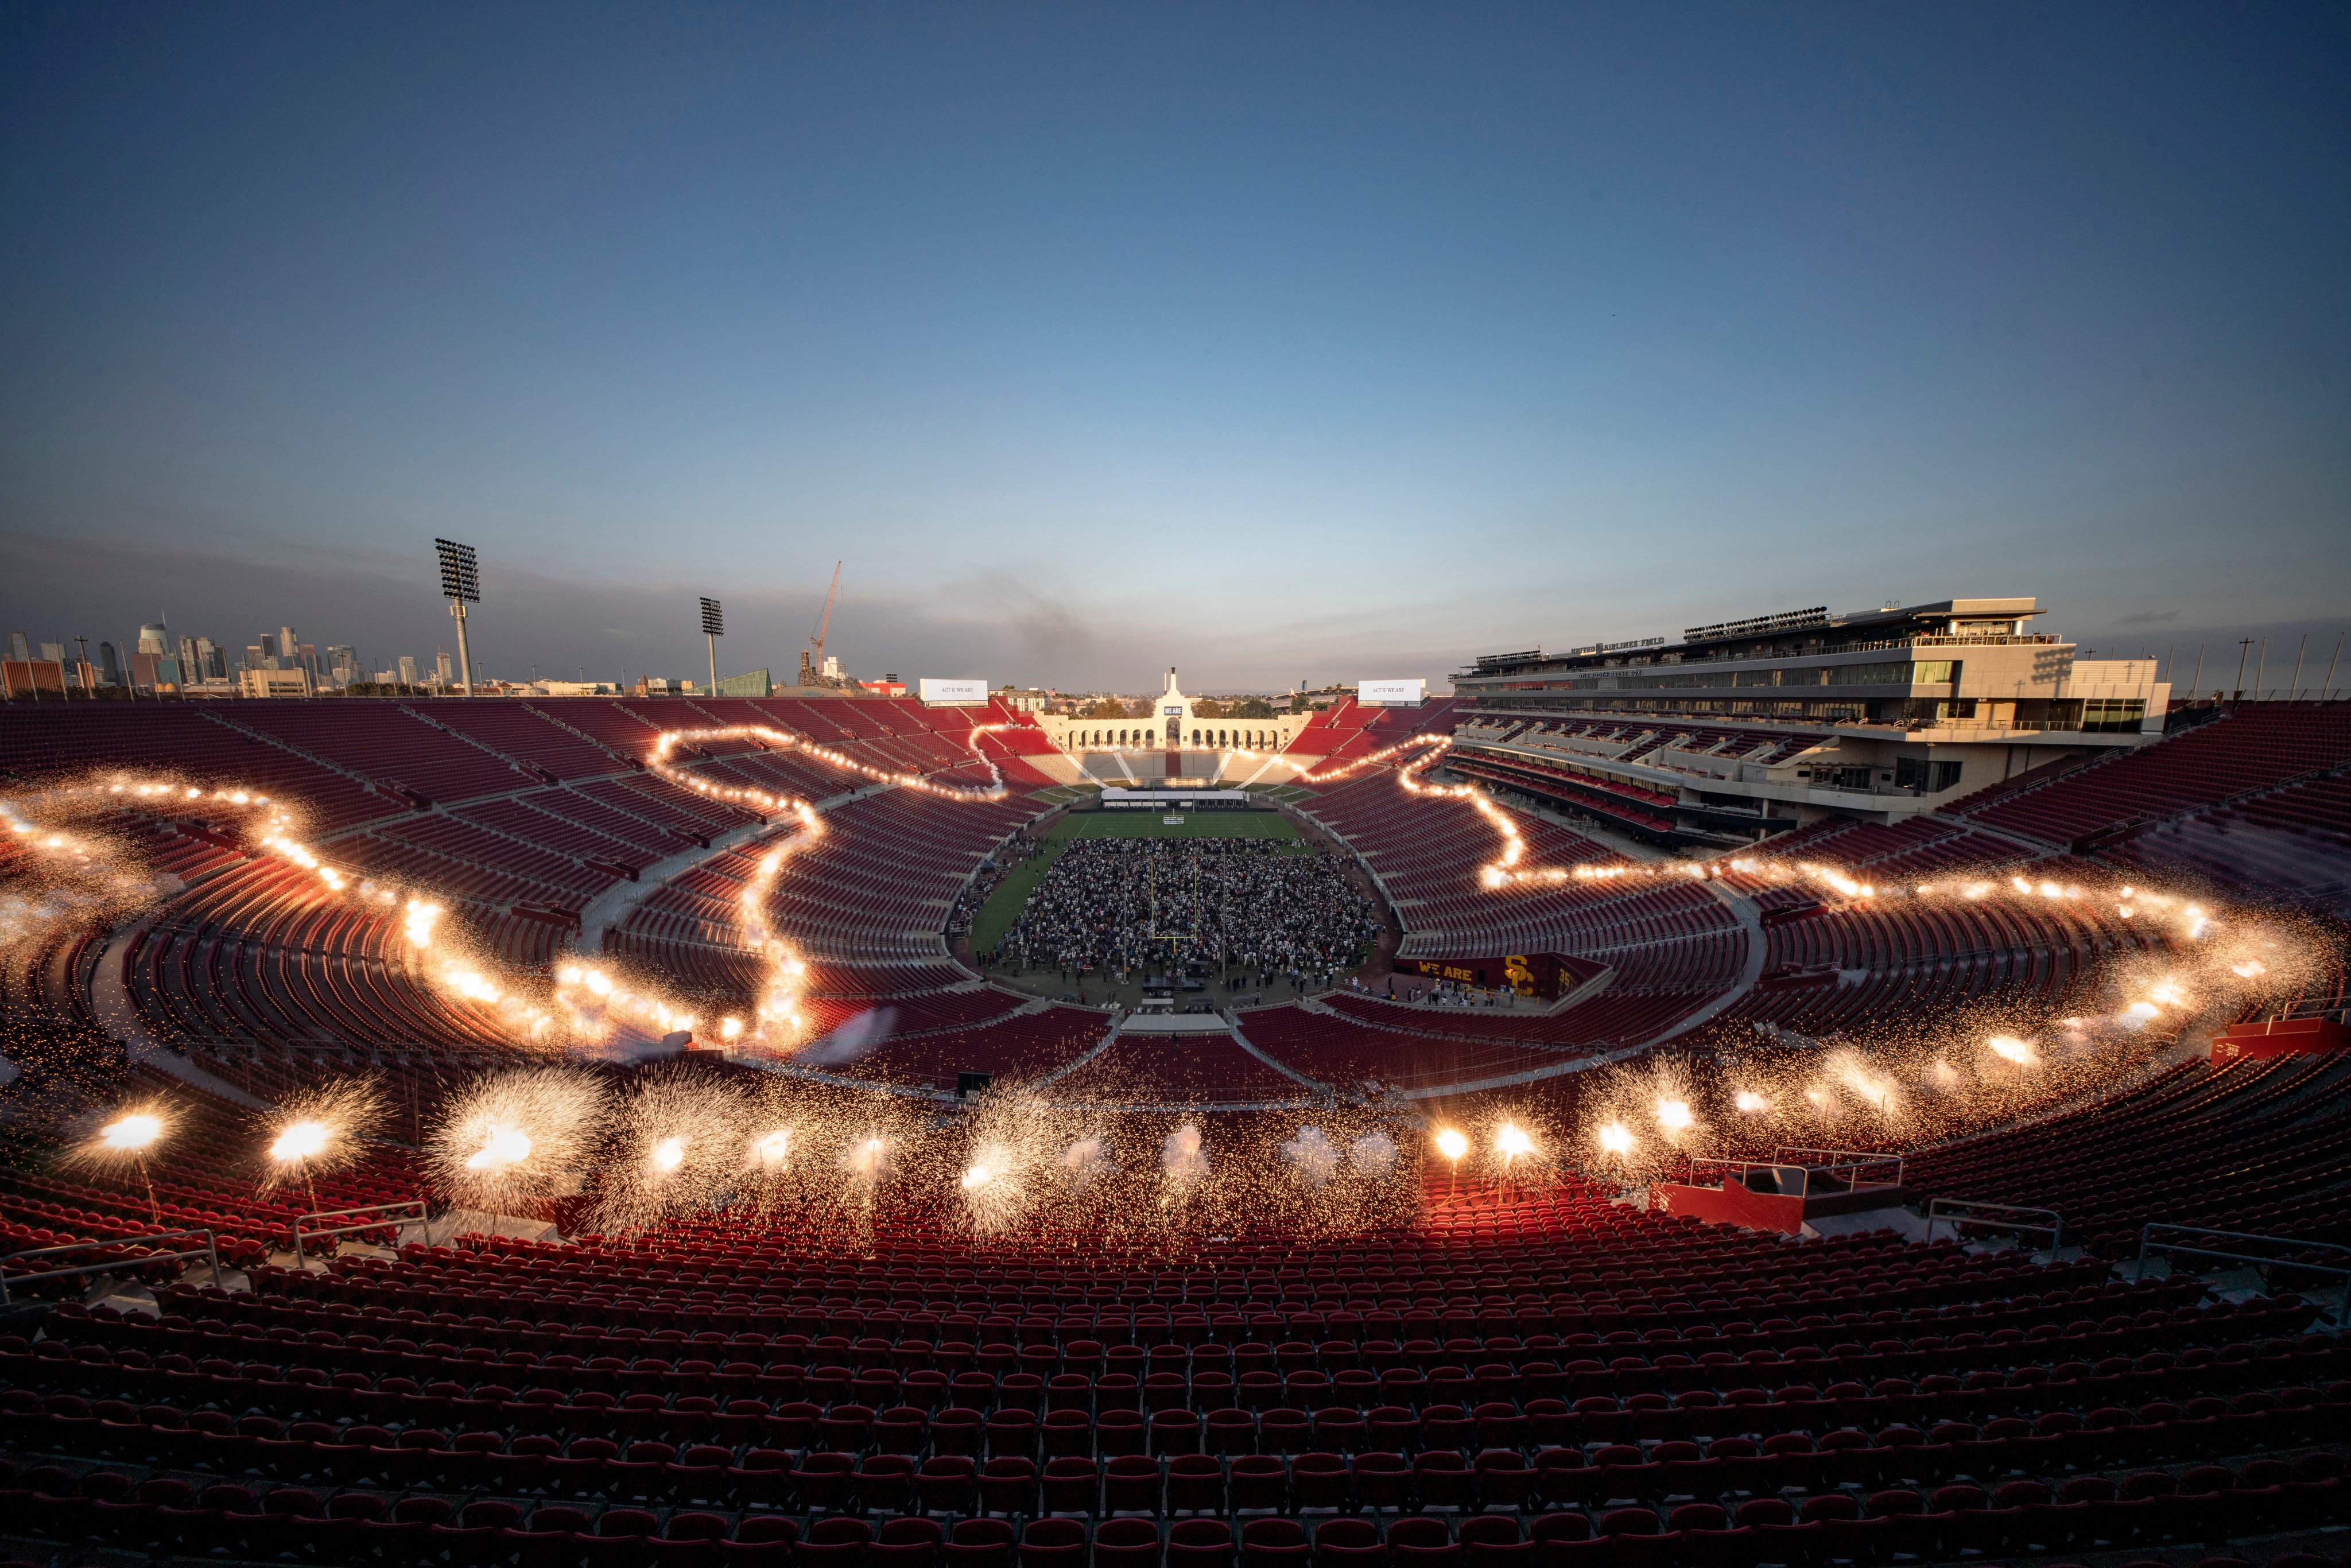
(812, 657)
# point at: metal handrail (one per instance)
(211, 1250)
(1729, 1167)
(1843, 1160)
(2148, 1242)
(305, 1230)
(1942, 1211)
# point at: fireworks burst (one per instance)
(677, 1142)
(315, 1131)
(515, 1139)
(125, 1135)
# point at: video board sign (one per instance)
(1391, 694)
(1549, 976)
(942, 692)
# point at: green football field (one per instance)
(1003, 907)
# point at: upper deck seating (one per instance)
(2257, 746)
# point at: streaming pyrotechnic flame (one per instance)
(494, 1161)
(977, 1176)
(276, 833)
(1865, 1084)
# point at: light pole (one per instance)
(460, 584)
(714, 626)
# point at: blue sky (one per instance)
(1269, 341)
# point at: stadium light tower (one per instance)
(714, 627)
(460, 584)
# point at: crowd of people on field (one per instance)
(1128, 904)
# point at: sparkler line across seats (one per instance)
(538, 1122)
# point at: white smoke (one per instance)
(1085, 1159)
(1373, 1155)
(1180, 1155)
(1312, 1154)
(850, 1038)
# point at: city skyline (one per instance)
(1278, 346)
(2240, 663)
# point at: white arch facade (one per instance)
(1173, 724)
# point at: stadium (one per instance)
(1621, 1112)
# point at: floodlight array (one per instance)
(461, 576)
